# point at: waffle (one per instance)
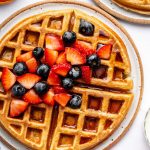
(105, 102)
(138, 6)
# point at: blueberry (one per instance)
(93, 61)
(18, 90)
(69, 37)
(86, 28)
(38, 52)
(43, 71)
(20, 68)
(75, 72)
(41, 88)
(67, 83)
(75, 101)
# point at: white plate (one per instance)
(137, 73)
(121, 13)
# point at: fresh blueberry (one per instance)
(75, 72)
(67, 83)
(93, 61)
(69, 37)
(38, 52)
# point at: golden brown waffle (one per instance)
(138, 6)
(105, 102)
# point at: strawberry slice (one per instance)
(61, 58)
(32, 65)
(17, 107)
(24, 57)
(31, 97)
(62, 98)
(84, 48)
(48, 98)
(53, 79)
(8, 79)
(105, 51)
(50, 56)
(54, 42)
(28, 80)
(75, 57)
(86, 74)
(59, 89)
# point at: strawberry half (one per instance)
(31, 97)
(61, 58)
(28, 80)
(54, 42)
(32, 65)
(17, 107)
(53, 79)
(48, 98)
(86, 74)
(50, 56)
(24, 57)
(105, 51)
(61, 69)
(8, 79)
(75, 57)
(62, 98)
(59, 89)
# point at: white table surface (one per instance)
(134, 139)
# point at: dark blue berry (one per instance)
(67, 83)
(69, 37)
(41, 88)
(75, 72)
(93, 61)
(18, 90)
(38, 52)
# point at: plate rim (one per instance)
(114, 21)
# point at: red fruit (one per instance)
(53, 79)
(48, 98)
(32, 65)
(28, 80)
(59, 89)
(31, 97)
(61, 69)
(54, 42)
(62, 98)
(86, 74)
(50, 56)
(61, 58)
(84, 48)
(8, 79)
(24, 57)
(75, 57)
(43, 60)
(17, 107)
(105, 51)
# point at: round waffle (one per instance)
(105, 102)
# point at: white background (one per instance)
(134, 139)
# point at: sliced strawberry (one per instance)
(24, 57)
(28, 80)
(86, 74)
(17, 107)
(84, 48)
(50, 56)
(54, 42)
(32, 65)
(61, 58)
(48, 98)
(75, 57)
(59, 89)
(53, 79)
(31, 97)
(8, 79)
(105, 51)
(62, 98)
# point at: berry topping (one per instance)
(41, 88)
(32, 65)
(74, 56)
(38, 52)
(67, 83)
(59, 89)
(75, 101)
(69, 37)
(20, 68)
(24, 57)
(86, 74)
(8, 79)
(75, 72)
(62, 98)
(43, 71)
(61, 69)
(93, 61)
(28, 80)
(61, 58)
(18, 90)
(86, 28)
